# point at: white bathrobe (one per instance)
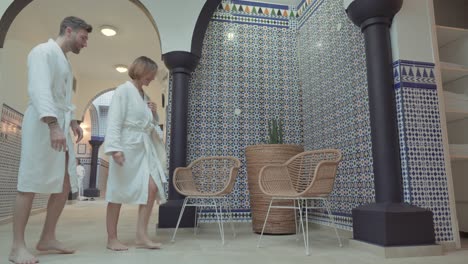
(131, 129)
(50, 89)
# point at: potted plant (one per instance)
(280, 221)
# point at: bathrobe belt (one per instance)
(149, 148)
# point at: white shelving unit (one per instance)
(452, 72)
(453, 55)
(456, 106)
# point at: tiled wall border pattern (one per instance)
(421, 147)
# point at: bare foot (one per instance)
(22, 256)
(53, 245)
(115, 245)
(148, 244)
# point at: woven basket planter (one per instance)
(280, 221)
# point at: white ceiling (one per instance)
(41, 18)
(94, 66)
(136, 36)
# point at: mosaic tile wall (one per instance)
(336, 111)
(335, 102)
(255, 70)
(422, 154)
(10, 145)
(253, 13)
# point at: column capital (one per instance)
(361, 10)
(181, 61)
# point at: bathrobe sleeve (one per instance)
(115, 119)
(40, 84)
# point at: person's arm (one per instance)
(77, 130)
(115, 119)
(41, 67)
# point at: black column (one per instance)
(181, 64)
(388, 221)
(92, 191)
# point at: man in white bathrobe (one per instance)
(47, 157)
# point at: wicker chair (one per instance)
(206, 182)
(307, 176)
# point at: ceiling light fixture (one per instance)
(108, 31)
(121, 68)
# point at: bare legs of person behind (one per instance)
(19, 253)
(144, 213)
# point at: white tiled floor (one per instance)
(82, 226)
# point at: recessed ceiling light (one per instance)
(121, 68)
(108, 31)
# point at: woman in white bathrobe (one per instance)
(137, 167)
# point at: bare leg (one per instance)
(19, 253)
(55, 205)
(113, 211)
(144, 213)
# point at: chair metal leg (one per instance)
(230, 216)
(219, 218)
(264, 223)
(296, 223)
(180, 218)
(195, 227)
(301, 219)
(306, 244)
(332, 218)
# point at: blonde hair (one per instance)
(141, 66)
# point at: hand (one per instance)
(77, 130)
(153, 107)
(57, 138)
(118, 157)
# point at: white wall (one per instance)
(176, 21)
(13, 71)
(411, 32)
(1, 75)
(4, 4)
(14, 74)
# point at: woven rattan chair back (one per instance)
(207, 176)
(312, 173)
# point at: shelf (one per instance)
(452, 72)
(458, 151)
(455, 116)
(446, 35)
(456, 106)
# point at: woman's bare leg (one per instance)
(112, 218)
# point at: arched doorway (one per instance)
(36, 21)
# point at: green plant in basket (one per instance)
(275, 132)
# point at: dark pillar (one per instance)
(181, 64)
(92, 191)
(388, 221)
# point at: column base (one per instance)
(398, 251)
(169, 214)
(92, 192)
(72, 195)
(393, 224)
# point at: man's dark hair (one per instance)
(75, 23)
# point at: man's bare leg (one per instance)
(55, 205)
(144, 213)
(112, 218)
(19, 253)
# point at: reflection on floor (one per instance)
(82, 226)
